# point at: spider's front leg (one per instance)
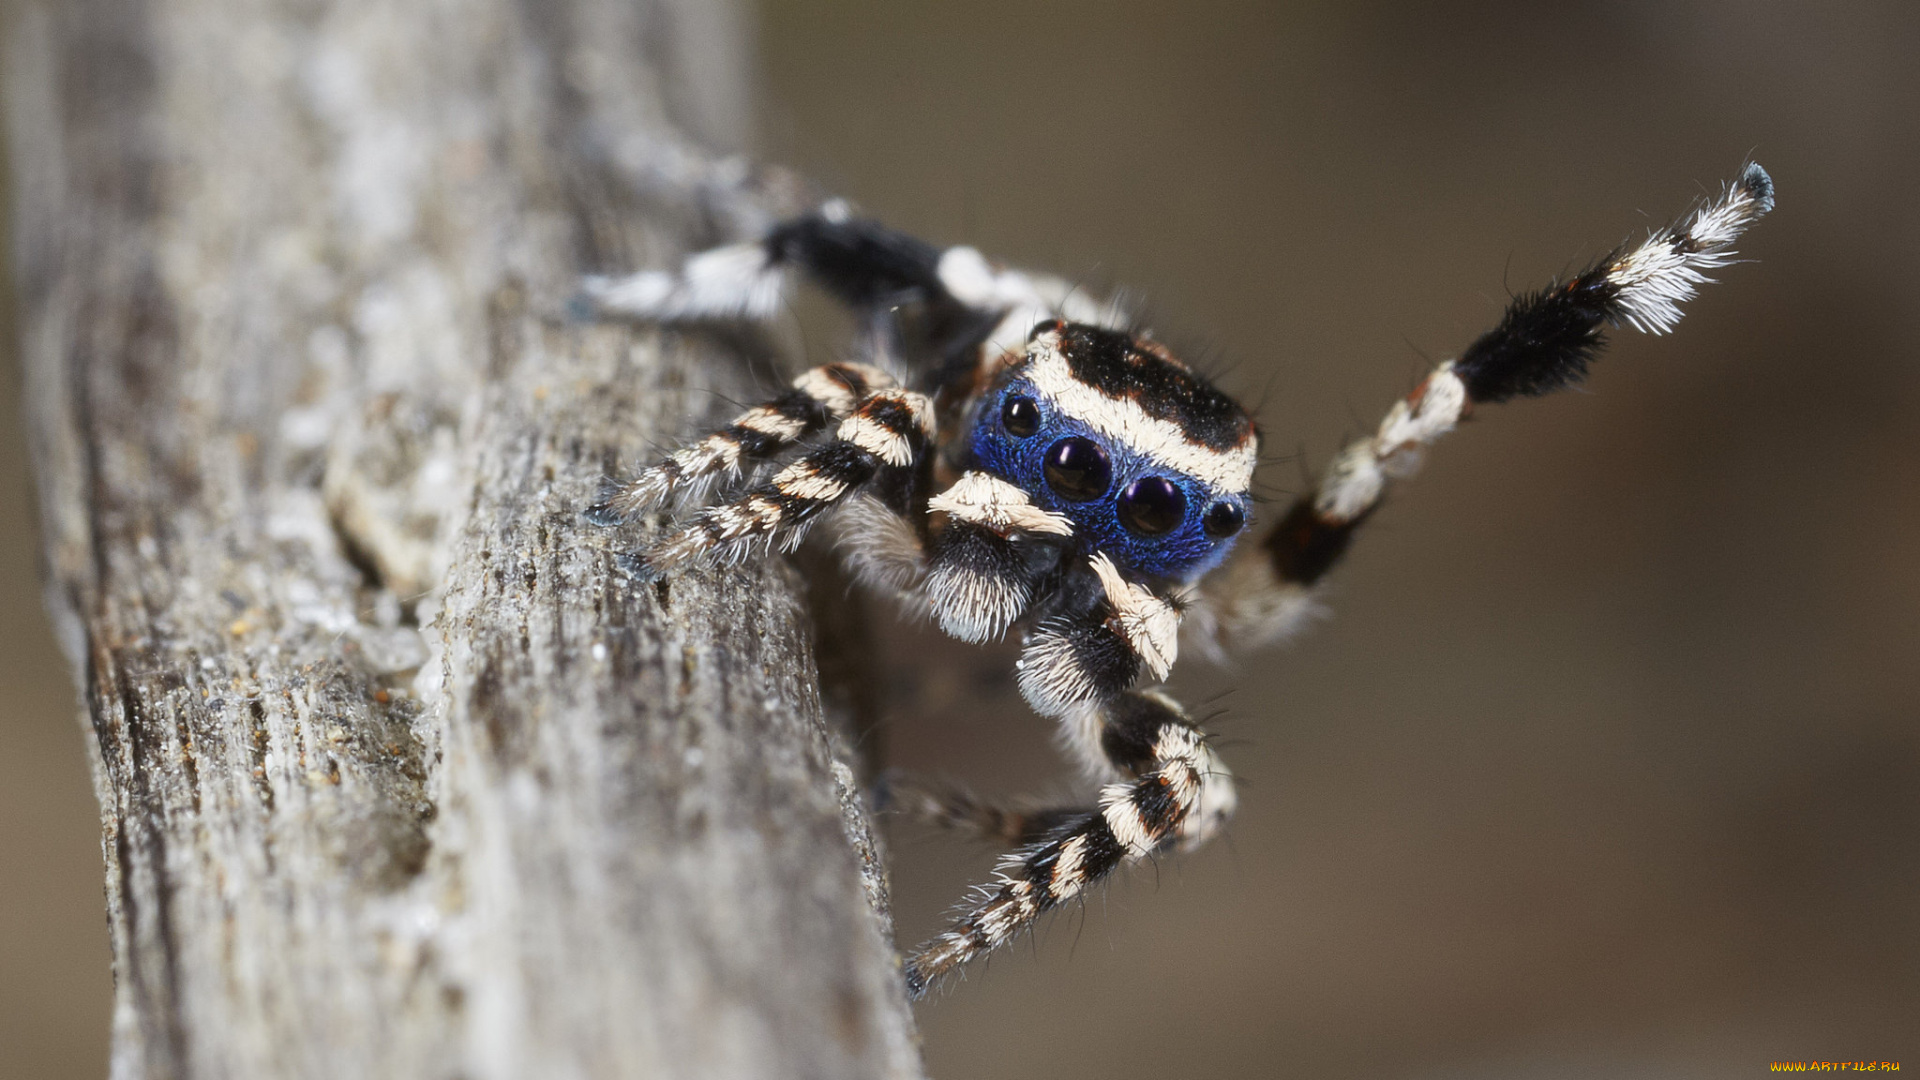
(888, 432)
(821, 396)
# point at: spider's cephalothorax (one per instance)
(1022, 459)
(1149, 462)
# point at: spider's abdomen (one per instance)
(1149, 461)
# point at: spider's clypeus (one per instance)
(1011, 454)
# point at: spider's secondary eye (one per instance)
(1020, 416)
(1078, 469)
(1152, 506)
(1223, 520)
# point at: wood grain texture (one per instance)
(398, 776)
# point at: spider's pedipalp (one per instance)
(979, 582)
(990, 555)
(1146, 621)
(984, 499)
(1070, 660)
(1087, 653)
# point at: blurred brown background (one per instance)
(1608, 762)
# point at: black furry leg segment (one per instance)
(890, 430)
(1175, 792)
(862, 263)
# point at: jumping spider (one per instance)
(1013, 453)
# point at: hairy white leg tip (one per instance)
(1655, 278)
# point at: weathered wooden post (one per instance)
(400, 779)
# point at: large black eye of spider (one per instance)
(1078, 469)
(1152, 506)
(1223, 520)
(1020, 416)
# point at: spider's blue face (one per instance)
(1149, 462)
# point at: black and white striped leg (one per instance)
(1175, 793)
(973, 569)
(865, 265)
(889, 430)
(821, 396)
(1545, 342)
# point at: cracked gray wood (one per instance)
(398, 778)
